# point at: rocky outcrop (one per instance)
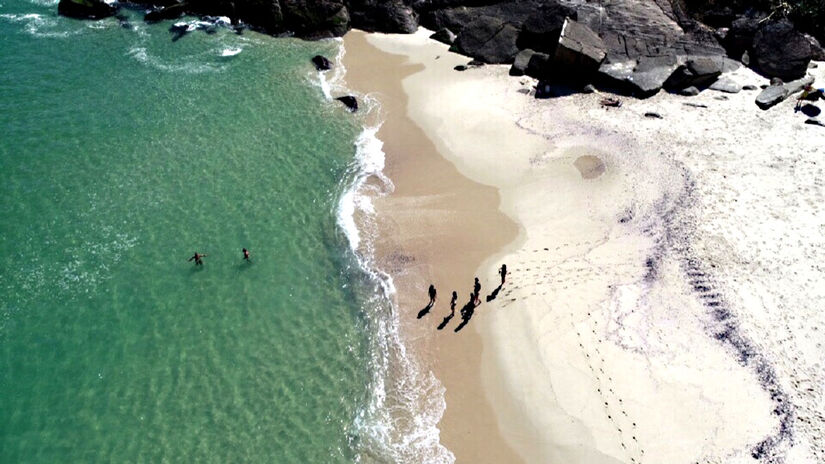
(579, 51)
(542, 29)
(85, 9)
(488, 39)
(383, 16)
(781, 51)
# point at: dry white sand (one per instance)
(665, 302)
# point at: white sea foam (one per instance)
(197, 67)
(39, 25)
(399, 422)
(331, 81)
(231, 51)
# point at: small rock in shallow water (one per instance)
(321, 63)
(460, 67)
(695, 105)
(350, 102)
(652, 114)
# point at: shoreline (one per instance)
(428, 194)
(629, 294)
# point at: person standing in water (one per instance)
(246, 255)
(503, 272)
(476, 292)
(197, 257)
(432, 293)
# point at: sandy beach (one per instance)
(663, 302)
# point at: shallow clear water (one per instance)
(122, 153)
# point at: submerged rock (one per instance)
(321, 63)
(350, 102)
(85, 9)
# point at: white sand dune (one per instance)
(665, 302)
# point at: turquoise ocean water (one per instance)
(121, 154)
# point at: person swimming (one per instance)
(246, 254)
(197, 257)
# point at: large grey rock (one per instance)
(771, 96)
(781, 51)
(696, 72)
(817, 52)
(650, 74)
(614, 75)
(579, 52)
(488, 39)
(522, 60)
(776, 93)
(444, 35)
(726, 85)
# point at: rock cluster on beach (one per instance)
(632, 47)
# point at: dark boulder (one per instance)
(689, 92)
(817, 52)
(698, 72)
(488, 39)
(444, 35)
(739, 38)
(544, 89)
(540, 66)
(779, 50)
(542, 29)
(521, 62)
(85, 9)
(383, 16)
(350, 102)
(815, 122)
(579, 52)
(166, 12)
(321, 63)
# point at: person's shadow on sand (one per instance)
(446, 321)
(425, 310)
(494, 295)
(466, 313)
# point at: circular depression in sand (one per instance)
(589, 166)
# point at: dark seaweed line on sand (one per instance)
(724, 326)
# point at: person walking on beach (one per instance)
(246, 255)
(476, 292)
(432, 293)
(197, 257)
(452, 303)
(503, 272)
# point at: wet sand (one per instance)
(436, 227)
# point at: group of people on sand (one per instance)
(469, 308)
(198, 257)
